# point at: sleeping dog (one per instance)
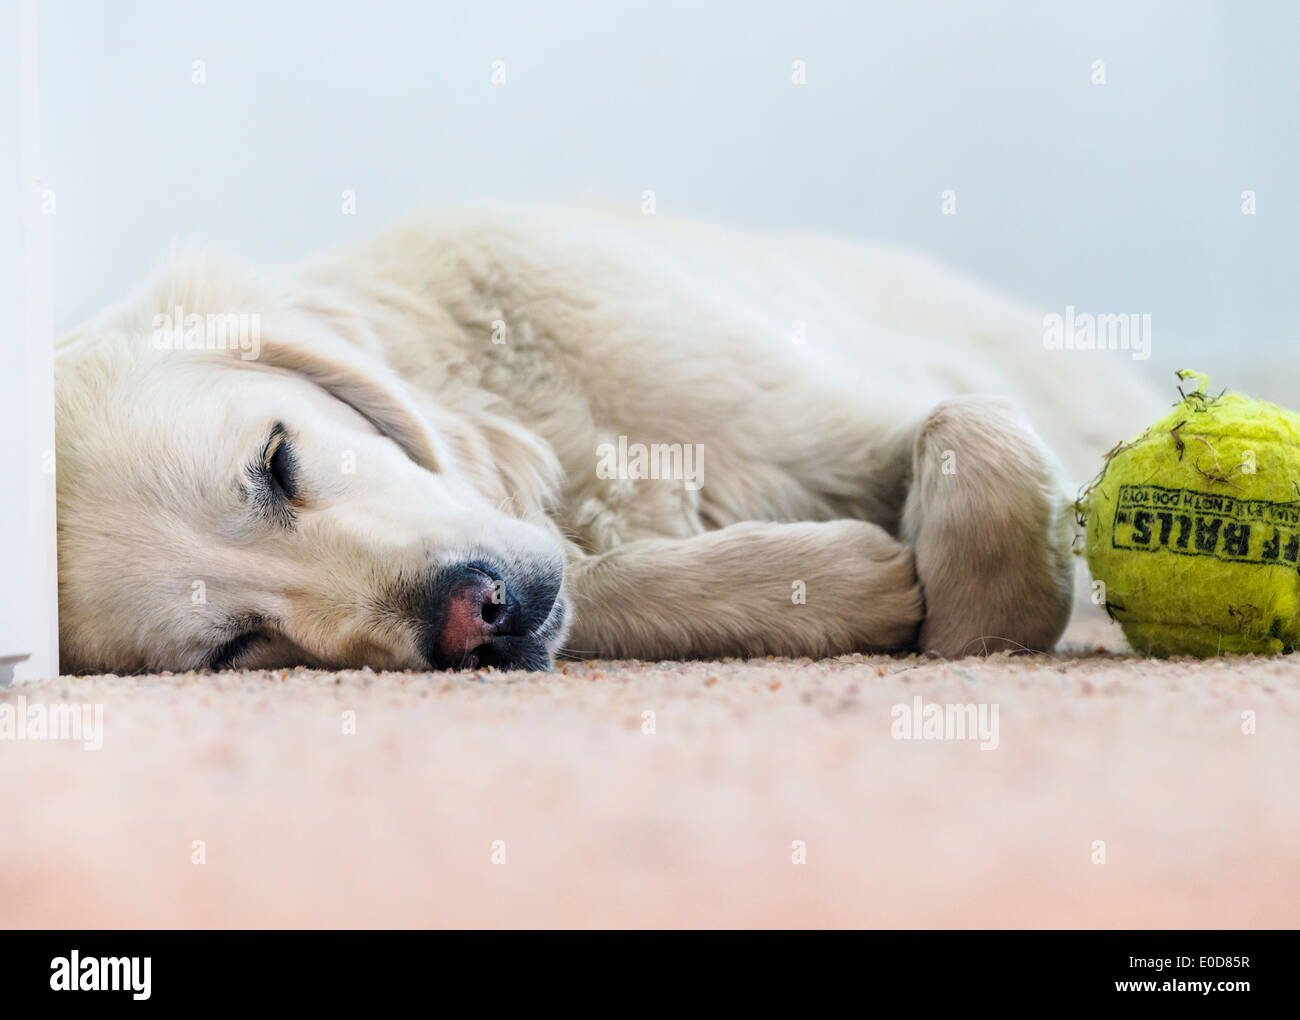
(488, 437)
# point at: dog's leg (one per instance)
(749, 589)
(987, 515)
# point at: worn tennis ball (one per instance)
(1193, 529)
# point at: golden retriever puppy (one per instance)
(488, 437)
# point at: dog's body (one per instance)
(453, 403)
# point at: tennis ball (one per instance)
(1193, 529)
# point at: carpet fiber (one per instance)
(1122, 792)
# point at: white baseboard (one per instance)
(28, 594)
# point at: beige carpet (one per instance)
(695, 824)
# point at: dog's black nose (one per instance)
(477, 620)
(477, 607)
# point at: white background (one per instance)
(1123, 197)
(28, 596)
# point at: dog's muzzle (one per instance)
(477, 618)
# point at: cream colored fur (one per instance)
(864, 415)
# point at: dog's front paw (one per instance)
(880, 601)
(988, 517)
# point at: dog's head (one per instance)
(260, 492)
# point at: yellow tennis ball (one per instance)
(1193, 529)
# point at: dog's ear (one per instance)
(302, 331)
(299, 344)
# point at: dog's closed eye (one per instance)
(278, 464)
(227, 654)
(274, 477)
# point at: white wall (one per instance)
(1122, 197)
(28, 595)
